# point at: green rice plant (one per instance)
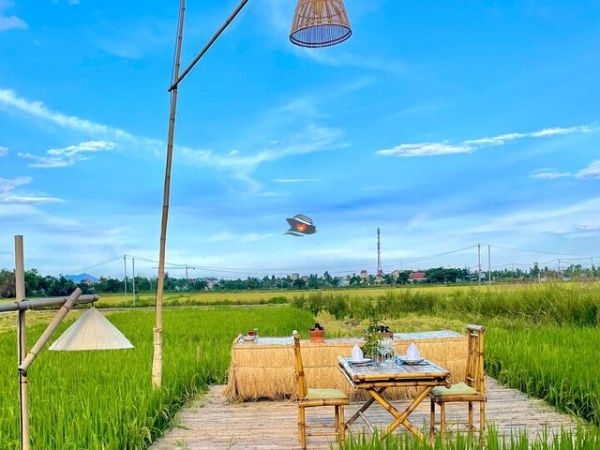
(580, 439)
(563, 304)
(557, 364)
(104, 400)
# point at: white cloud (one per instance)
(9, 185)
(592, 171)
(67, 156)
(10, 22)
(553, 220)
(312, 137)
(10, 100)
(425, 149)
(293, 180)
(471, 145)
(549, 174)
(3, 151)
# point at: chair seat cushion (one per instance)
(326, 394)
(456, 390)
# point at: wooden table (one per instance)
(375, 379)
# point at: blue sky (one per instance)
(445, 123)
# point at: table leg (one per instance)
(401, 417)
(363, 408)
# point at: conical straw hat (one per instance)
(320, 23)
(92, 331)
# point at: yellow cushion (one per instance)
(456, 389)
(325, 394)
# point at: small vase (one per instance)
(317, 336)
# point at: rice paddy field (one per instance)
(541, 340)
(104, 400)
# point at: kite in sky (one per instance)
(301, 225)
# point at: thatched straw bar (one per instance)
(265, 370)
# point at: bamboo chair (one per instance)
(310, 398)
(471, 391)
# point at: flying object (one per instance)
(301, 225)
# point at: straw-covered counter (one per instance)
(265, 369)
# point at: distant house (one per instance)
(395, 273)
(417, 277)
(294, 276)
(364, 274)
(211, 283)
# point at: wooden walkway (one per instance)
(211, 423)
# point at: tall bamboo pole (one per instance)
(22, 343)
(157, 356)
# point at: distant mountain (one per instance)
(81, 277)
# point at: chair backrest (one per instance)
(300, 377)
(475, 374)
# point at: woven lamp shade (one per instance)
(320, 23)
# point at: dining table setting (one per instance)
(383, 369)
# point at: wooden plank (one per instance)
(210, 422)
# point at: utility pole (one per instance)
(125, 268)
(489, 264)
(187, 278)
(479, 264)
(133, 277)
(559, 271)
(379, 269)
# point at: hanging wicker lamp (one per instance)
(320, 23)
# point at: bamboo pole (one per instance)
(176, 79)
(43, 303)
(22, 343)
(49, 331)
(157, 355)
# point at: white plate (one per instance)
(360, 361)
(405, 360)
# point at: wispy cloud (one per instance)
(11, 101)
(311, 137)
(134, 40)
(425, 149)
(549, 174)
(9, 185)
(293, 180)
(592, 171)
(3, 151)
(472, 145)
(223, 236)
(67, 156)
(554, 220)
(10, 22)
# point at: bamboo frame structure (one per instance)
(338, 400)
(24, 358)
(475, 379)
(173, 89)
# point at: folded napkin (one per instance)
(413, 352)
(357, 354)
